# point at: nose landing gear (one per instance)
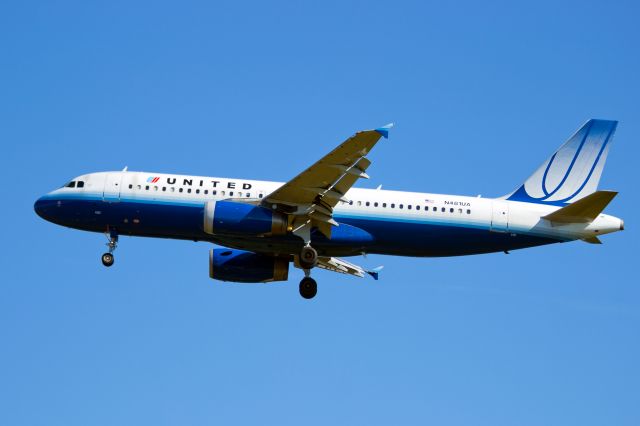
(107, 258)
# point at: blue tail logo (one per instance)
(574, 171)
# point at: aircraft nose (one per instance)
(42, 207)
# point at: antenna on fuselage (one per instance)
(125, 168)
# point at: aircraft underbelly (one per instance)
(357, 235)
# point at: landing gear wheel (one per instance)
(308, 288)
(107, 259)
(308, 257)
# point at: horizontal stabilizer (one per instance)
(585, 210)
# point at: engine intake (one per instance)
(230, 217)
(246, 267)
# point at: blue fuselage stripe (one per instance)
(183, 219)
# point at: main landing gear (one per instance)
(308, 288)
(107, 258)
(308, 259)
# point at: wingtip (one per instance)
(375, 272)
(384, 130)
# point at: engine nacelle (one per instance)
(233, 218)
(246, 267)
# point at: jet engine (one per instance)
(233, 218)
(246, 267)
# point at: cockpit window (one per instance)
(71, 184)
(80, 184)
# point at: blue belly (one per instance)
(362, 234)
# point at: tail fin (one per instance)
(574, 171)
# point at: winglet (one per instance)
(384, 130)
(375, 272)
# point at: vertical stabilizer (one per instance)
(574, 171)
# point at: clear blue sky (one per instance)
(481, 93)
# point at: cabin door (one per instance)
(500, 216)
(112, 183)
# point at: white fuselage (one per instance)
(365, 206)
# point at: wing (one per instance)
(312, 195)
(341, 266)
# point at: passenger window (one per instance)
(435, 209)
(230, 193)
(468, 211)
(393, 206)
(164, 188)
(173, 189)
(384, 205)
(351, 202)
(400, 206)
(460, 211)
(197, 191)
(375, 204)
(259, 195)
(417, 207)
(409, 207)
(248, 195)
(214, 192)
(146, 187)
(239, 194)
(206, 191)
(130, 186)
(189, 190)
(451, 210)
(180, 190)
(222, 193)
(155, 188)
(359, 203)
(366, 204)
(443, 210)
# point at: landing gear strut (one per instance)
(107, 258)
(308, 288)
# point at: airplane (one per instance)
(317, 218)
